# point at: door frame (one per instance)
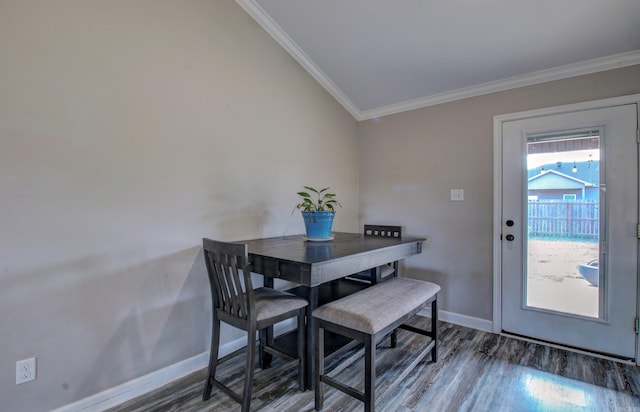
(498, 121)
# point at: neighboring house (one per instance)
(555, 182)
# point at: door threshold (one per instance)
(627, 361)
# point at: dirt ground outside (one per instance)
(553, 279)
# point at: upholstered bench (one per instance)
(368, 316)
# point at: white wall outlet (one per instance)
(457, 195)
(25, 370)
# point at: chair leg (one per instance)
(301, 349)
(262, 333)
(213, 356)
(319, 362)
(434, 329)
(249, 369)
(267, 358)
(369, 373)
(394, 338)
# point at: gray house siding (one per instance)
(560, 182)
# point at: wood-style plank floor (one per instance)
(476, 371)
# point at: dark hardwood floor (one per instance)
(476, 371)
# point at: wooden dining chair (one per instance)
(234, 301)
(383, 272)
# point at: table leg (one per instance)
(375, 275)
(312, 297)
(266, 358)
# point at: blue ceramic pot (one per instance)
(318, 224)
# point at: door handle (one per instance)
(510, 238)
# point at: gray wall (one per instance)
(128, 131)
(410, 162)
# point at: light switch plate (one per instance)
(457, 195)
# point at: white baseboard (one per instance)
(139, 386)
(154, 380)
(462, 320)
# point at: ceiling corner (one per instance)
(270, 26)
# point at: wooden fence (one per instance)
(564, 219)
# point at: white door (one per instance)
(569, 229)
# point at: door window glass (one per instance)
(563, 222)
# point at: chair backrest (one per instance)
(229, 278)
(383, 231)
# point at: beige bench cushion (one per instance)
(374, 308)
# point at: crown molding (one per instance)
(557, 73)
(563, 72)
(275, 31)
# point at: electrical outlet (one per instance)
(25, 370)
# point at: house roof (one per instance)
(552, 179)
(587, 171)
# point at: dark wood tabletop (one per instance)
(311, 263)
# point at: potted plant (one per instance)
(318, 211)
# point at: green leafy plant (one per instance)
(320, 201)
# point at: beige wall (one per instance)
(128, 131)
(410, 162)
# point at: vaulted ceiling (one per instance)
(378, 57)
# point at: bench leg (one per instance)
(434, 329)
(369, 373)
(319, 363)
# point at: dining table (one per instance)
(320, 269)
